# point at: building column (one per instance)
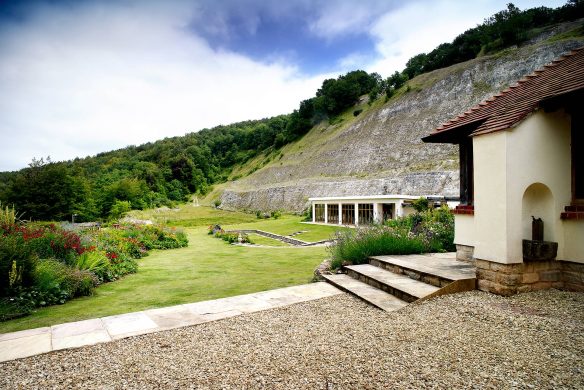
(376, 217)
(356, 214)
(340, 213)
(313, 212)
(326, 213)
(399, 209)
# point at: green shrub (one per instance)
(356, 246)
(95, 261)
(276, 214)
(58, 282)
(17, 263)
(421, 204)
(14, 307)
(234, 237)
(429, 231)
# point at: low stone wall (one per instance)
(510, 279)
(286, 239)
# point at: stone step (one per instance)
(372, 295)
(437, 269)
(401, 286)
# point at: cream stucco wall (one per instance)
(464, 230)
(518, 173)
(490, 200)
(573, 241)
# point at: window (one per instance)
(466, 172)
(319, 212)
(365, 213)
(348, 212)
(333, 213)
(577, 158)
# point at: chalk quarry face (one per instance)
(380, 151)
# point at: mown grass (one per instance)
(208, 268)
(267, 241)
(289, 224)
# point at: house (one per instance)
(521, 164)
(364, 210)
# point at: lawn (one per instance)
(289, 224)
(267, 241)
(208, 268)
(188, 215)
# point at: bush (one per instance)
(276, 214)
(430, 231)
(96, 262)
(233, 237)
(356, 246)
(56, 282)
(421, 204)
(17, 262)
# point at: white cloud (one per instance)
(74, 82)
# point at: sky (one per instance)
(82, 77)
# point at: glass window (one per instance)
(319, 212)
(365, 213)
(333, 213)
(348, 214)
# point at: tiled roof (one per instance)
(511, 105)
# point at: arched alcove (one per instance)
(538, 201)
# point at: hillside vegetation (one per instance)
(360, 134)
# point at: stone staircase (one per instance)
(391, 282)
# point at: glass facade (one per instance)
(365, 213)
(333, 213)
(348, 212)
(319, 212)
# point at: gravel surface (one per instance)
(470, 340)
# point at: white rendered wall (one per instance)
(540, 145)
(464, 229)
(490, 203)
(506, 164)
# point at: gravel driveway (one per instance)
(470, 340)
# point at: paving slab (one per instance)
(443, 265)
(131, 324)
(80, 333)
(24, 333)
(21, 347)
(98, 330)
(173, 317)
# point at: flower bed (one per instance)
(46, 264)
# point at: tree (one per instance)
(44, 191)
